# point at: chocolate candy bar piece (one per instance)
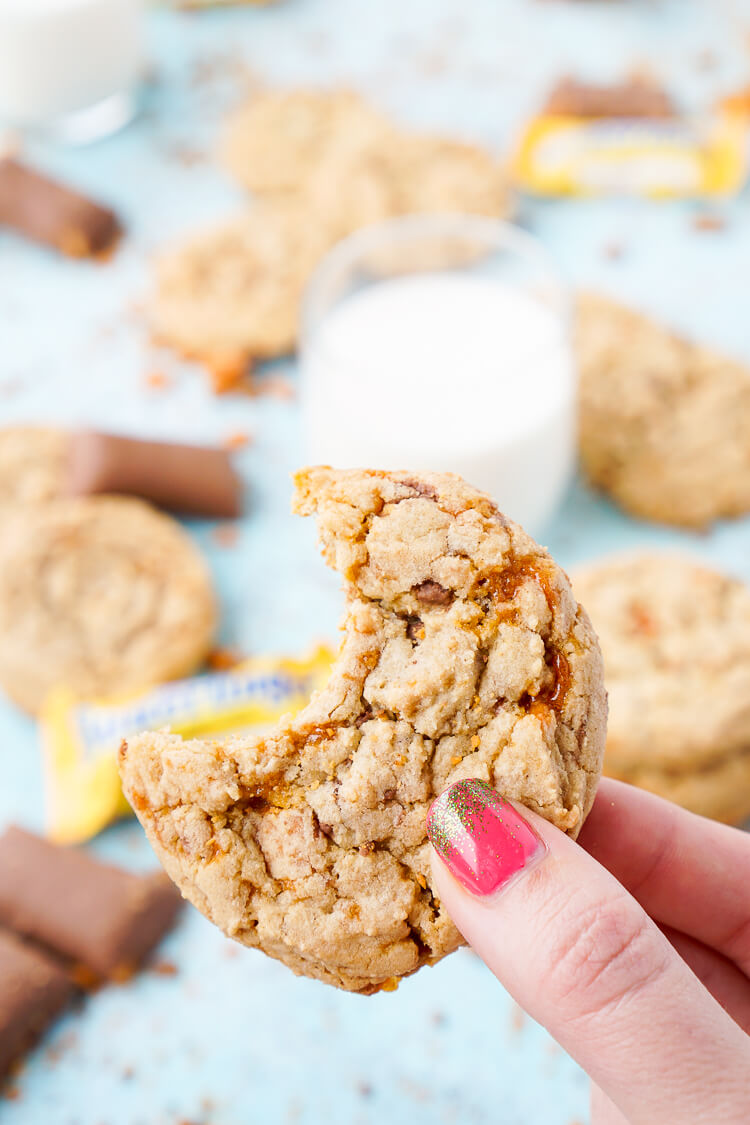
(193, 479)
(48, 212)
(101, 918)
(33, 990)
(637, 97)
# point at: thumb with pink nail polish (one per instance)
(625, 996)
(480, 837)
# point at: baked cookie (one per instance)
(327, 164)
(676, 643)
(232, 293)
(102, 594)
(464, 654)
(273, 142)
(354, 167)
(664, 423)
(33, 465)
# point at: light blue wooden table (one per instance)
(234, 1038)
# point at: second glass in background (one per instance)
(441, 342)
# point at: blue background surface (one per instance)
(234, 1038)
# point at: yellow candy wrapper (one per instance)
(658, 159)
(80, 739)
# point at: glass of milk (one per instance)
(442, 343)
(70, 67)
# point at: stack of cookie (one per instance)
(665, 432)
(675, 637)
(320, 165)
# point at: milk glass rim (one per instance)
(497, 234)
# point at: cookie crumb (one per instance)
(228, 373)
(221, 659)
(517, 1019)
(157, 381)
(84, 978)
(240, 439)
(707, 221)
(613, 251)
(164, 968)
(225, 534)
(707, 59)
(364, 1089)
(277, 386)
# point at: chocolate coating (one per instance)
(33, 991)
(48, 212)
(192, 479)
(97, 916)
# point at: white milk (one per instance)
(60, 57)
(447, 372)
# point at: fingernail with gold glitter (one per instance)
(480, 837)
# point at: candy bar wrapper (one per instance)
(560, 155)
(80, 739)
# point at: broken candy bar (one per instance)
(33, 990)
(101, 918)
(636, 97)
(196, 480)
(52, 214)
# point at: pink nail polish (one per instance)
(480, 837)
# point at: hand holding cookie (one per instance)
(635, 956)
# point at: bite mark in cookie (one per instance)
(464, 654)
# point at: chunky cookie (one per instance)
(352, 165)
(326, 164)
(664, 423)
(103, 594)
(231, 294)
(464, 654)
(33, 465)
(271, 144)
(676, 643)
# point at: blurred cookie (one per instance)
(465, 655)
(326, 164)
(232, 293)
(33, 465)
(404, 175)
(352, 165)
(664, 423)
(675, 637)
(433, 174)
(103, 594)
(273, 142)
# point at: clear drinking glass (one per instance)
(442, 343)
(69, 68)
